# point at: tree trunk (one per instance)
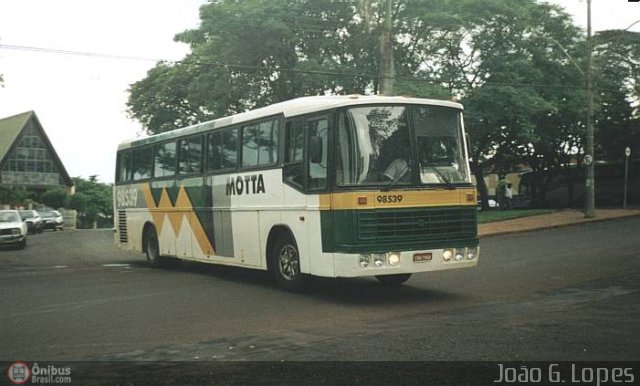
(480, 185)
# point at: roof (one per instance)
(10, 129)
(290, 108)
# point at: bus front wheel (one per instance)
(393, 280)
(285, 264)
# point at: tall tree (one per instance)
(93, 201)
(511, 62)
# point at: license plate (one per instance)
(422, 257)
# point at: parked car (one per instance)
(52, 219)
(13, 231)
(33, 220)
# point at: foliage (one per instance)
(14, 196)
(515, 64)
(56, 198)
(617, 78)
(93, 201)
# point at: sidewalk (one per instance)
(551, 220)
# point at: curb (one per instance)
(520, 225)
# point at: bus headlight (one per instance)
(459, 256)
(472, 253)
(447, 255)
(364, 261)
(378, 260)
(394, 259)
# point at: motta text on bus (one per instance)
(247, 184)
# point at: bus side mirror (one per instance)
(315, 149)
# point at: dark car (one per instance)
(52, 219)
(33, 220)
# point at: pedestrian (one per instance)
(508, 196)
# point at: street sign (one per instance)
(588, 159)
(627, 151)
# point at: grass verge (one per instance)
(486, 216)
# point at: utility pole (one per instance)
(386, 66)
(589, 156)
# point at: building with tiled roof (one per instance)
(27, 158)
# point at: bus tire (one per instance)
(285, 264)
(393, 280)
(152, 248)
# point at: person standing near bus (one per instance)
(508, 196)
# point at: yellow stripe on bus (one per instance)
(176, 214)
(398, 199)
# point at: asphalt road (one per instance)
(568, 294)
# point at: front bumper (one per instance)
(52, 225)
(347, 265)
(11, 239)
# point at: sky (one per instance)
(81, 100)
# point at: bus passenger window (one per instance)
(165, 159)
(124, 166)
(142, 163)
(318, 130)
(294, 147)
(222, 150)
(260, 143)
(190, 157)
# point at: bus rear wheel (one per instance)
(393, 280)
(152, 248)
(285, 265)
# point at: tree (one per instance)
(93, 201)
(510, 62)
(617, 70)
(13, 196)
(56, 198)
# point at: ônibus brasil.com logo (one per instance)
(19, 373)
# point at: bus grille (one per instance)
(425, 224)
(122, 227)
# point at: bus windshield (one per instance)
(400, 145)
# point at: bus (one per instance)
(330, 186)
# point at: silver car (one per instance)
(13, 231)
(33, 220)
(52, 219)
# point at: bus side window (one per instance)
(142, 163)
(260, 143)
(165, 159)
(222, 150)
(190, 156)
(124, 166)
(294, 153)
(318, 136)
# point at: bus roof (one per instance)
(290, 108)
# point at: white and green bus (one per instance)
(332, 186)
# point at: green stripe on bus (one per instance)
(385, 230)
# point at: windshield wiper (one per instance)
(395, 181)
(444, 179)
